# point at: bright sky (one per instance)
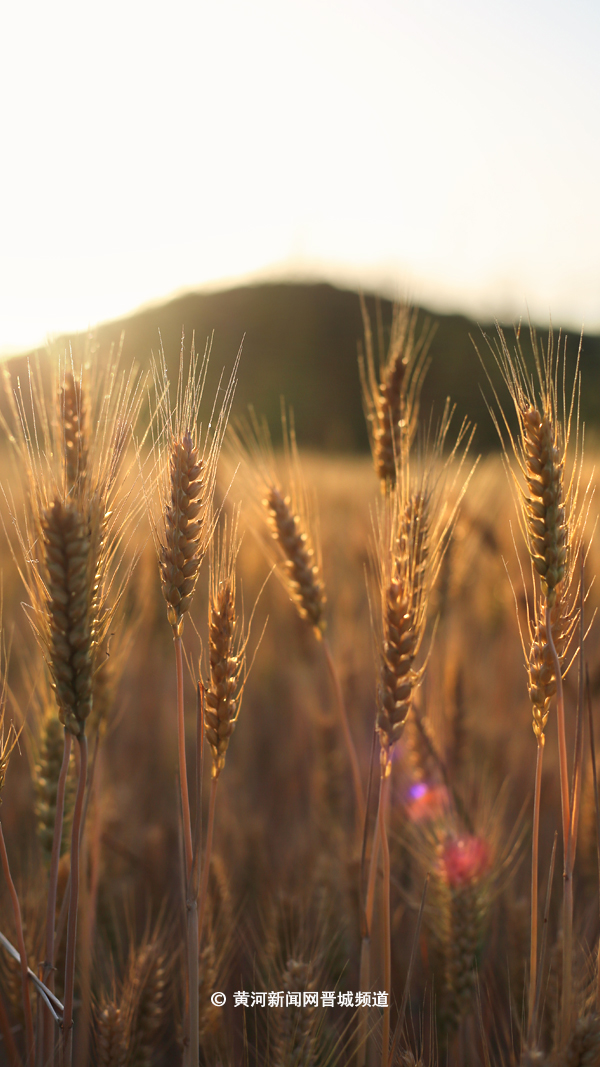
(450, 151)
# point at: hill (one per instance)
(300, 341)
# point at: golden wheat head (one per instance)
(546, 473)
(70, 536)
(415, 525)
(227, 649)
(391, 389)
(281, 504)
(185, 467)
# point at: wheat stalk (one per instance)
(415, 523)
(552, 517)
(282, 507)
(8, 741)
(185, 470)
(71, 539)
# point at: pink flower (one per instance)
(465, 859)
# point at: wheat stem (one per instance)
(562, 740)
(88, 930)
(566, 821)
(187, 837)
(7, 1037)
(350, 748)
(193, 973)
(386, 922)
(534, 877)
(64, 908)
(207, 855)
(48, 968)
(183, 782)
(67, 1023)
(29, 1044)
(567, 963)
(365, 948)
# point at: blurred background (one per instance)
(213, 166)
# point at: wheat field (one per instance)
(345, 649)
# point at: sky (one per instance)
(445, 152)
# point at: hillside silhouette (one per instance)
(300, 341)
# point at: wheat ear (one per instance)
(111, 1034)
(302, 571)
(294, 1039)
(391, 391)
(226, 649)
(69, 600)
(49, 756)
(147, 984)
(185, 517)
(404, 595)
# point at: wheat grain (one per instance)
(403, 592)
(281, 505)
(227, 650)
(48, 764)
(301, 569)
(71, 588)
(184, 544)
(541, 672)
(544, 508)
(414, 528)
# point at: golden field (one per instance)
(284, 897)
